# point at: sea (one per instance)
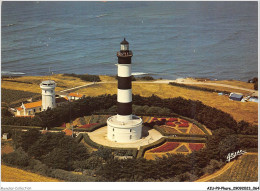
(170, 40)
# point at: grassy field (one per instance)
(10, 174)
(247, 111)
(14, 96)
(244, 169)
(63, 82)
(240, 111)
(219, 88)
(235, 83)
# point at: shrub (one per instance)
(213, 166)
(6, 113)
(38, 167)
(246, 143)
(94, 162)
(185, 177)
(69, 176)
(85, 77)
(228, 145)
(255, 81)
(104, 153)
(197, 88)
(245, 128)
(145, 78)
(16, 158)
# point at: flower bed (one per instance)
(173, 119)
(196, 146)
(183, 148)
(184, 121)
(170, 124)
(168, 146)
(88, 125)
(196, 131)
(169, 130)
(184, 125)
(154, 119)
(184, 130)
(163, 119)
(63, 125)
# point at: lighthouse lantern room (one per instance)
(124, 127)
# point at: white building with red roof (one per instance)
(75, 96)
(48, 101)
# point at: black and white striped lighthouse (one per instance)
(124, 92)
(124, 127)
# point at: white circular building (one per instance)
(48, 94)
(124, 127)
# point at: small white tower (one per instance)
(48, 94)
(124, 127)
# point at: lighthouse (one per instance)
(48, 94)
(124, 127)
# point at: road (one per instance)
(77, 87)
(190, 82)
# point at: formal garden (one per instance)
(196, 140)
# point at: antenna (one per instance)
(50, 73)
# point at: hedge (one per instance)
(11, 128)
(186, 139)
(79, 138)
(85, 77)
(197, 88)
(69, 176)
(92, 128)
(144, 148)
(196, 123)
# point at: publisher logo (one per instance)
(233, 155)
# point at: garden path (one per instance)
(100, 136)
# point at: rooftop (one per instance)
(75, 95)
(236, 95)
(48, 82)
(33, 104)
(124, 42)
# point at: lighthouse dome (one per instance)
(124, 42)
(124, 45)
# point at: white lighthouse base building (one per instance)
(124, 132)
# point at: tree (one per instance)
(104, 153)
(6, 113)
(228, 145)
(16, 158)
